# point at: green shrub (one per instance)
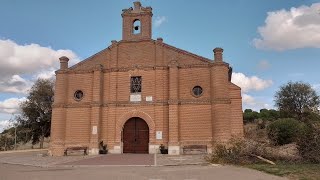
(284, 131)
(309, 143)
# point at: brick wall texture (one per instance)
(168, 75)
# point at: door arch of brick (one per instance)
(146, 117)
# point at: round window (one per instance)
(78, 95)
(197, 91)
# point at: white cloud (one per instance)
(32, 60)
(250, 83)
(11, 105)
(264, 65)
(291, 29)
(15, 84)
(47, 74)
(4, 124)
(159, 21)
(249, 102)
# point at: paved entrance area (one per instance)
(39, 158)
(116, 160)
(14, 172)
(34, 166)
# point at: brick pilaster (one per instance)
(96, 109)
(173, 104)
(58, 122)
(220, 101)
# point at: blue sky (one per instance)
(267, 42)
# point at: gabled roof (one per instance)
(93, 57)
(188, 53)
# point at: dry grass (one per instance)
(292, 171)
(29, 145)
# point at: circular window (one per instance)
(78, 95)
(197, 91)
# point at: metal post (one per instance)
(155, 156)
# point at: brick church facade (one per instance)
(139, 93)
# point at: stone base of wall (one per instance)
(93, 151)
(154, 149)
(57, 151)
(115, 150)
(174, 150)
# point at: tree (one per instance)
(249, 115)
(269, 115)
(297, 100)
(284, 131)
(6, 141)
(37, 110)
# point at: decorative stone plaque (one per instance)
(159, 135)
(149, 98)
(94, 129)
(135, 97)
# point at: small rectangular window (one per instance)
(135, 84)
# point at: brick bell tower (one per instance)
(136, 23)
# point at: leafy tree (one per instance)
(269, 115)
(274, 114)
(297, 100)
(37, 110)
(6, 142)
(249, 115)
(284, 131)
(266, 115)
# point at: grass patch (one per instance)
(292, 171)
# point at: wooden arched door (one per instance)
(135, 136)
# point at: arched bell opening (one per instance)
(136, 26)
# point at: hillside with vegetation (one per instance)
(284, 142)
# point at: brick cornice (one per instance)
(135, 15)
(137, 40)
(193, 101)
(81, 71)
(96, 104)
(138, 67)
(144, 103)
(62, 71)
(56, 105)
(217, 64)
(221, 101)
(75, 105)
(190, 66)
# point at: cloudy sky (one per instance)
(267, 42)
